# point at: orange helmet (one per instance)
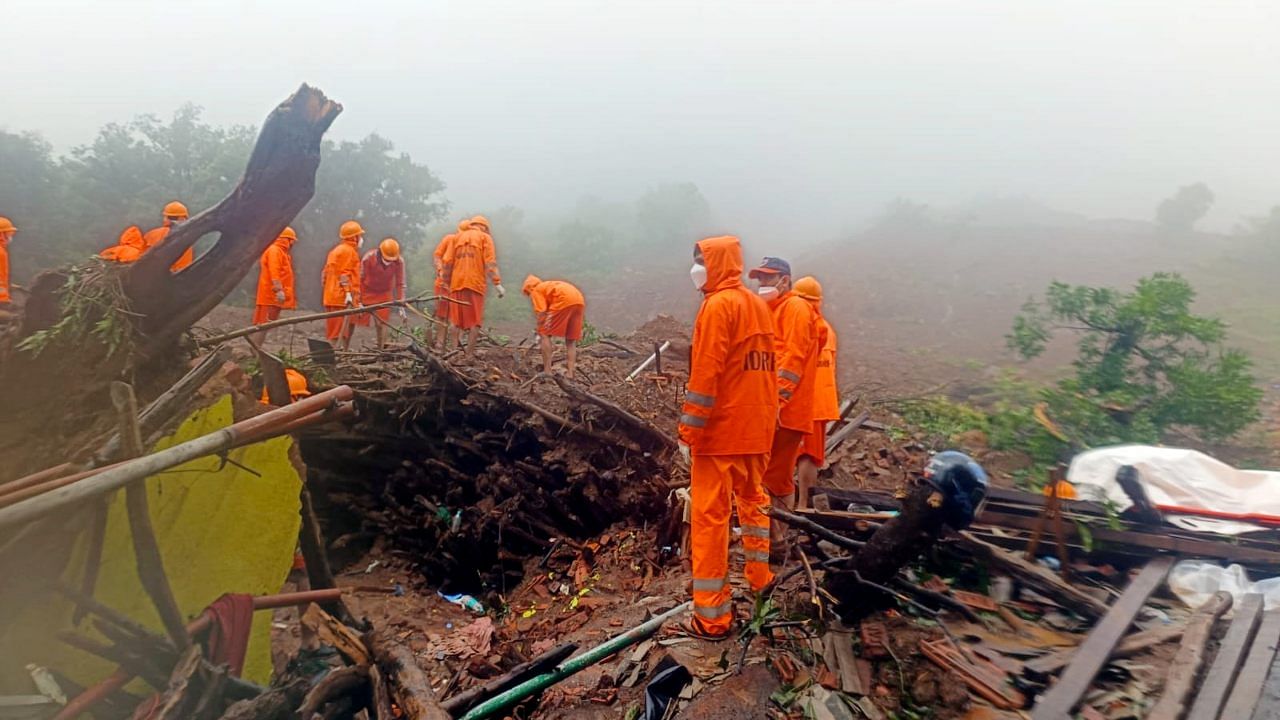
(808, 288)
(297, 383)
(297, 386)
(289, 234)
(6, 225)
(480, 220)
(464, 225)
(530, 283)
(350, 229)
(175, 209)
(390, 249)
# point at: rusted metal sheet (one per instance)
(1061, 699)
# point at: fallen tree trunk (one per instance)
(278, 182)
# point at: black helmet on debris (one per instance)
(963, 484)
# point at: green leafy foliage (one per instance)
(94, 308)
(1144, 364)
(942, 419)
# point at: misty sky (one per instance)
(793, 117)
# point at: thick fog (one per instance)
(797, 118)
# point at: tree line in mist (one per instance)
(71, 206)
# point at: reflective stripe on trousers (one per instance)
(717, 481)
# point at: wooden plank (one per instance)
(1046, 665)
(1191, 656)
(1222, 673)
(1248, 686)
(1269, 704)
(1153, 540)
(850, 681)
(1061, 699)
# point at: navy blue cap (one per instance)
(771, 266)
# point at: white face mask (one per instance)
(698, 274)
(360, 243)
(767, 292)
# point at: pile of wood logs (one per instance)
(465, 476)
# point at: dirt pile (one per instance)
(467, 467)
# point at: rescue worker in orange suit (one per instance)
(826, 398)
(7, 231)
(128, 249)
(341, 282)
(469, 262)
(559, 308)
(797, 343)
(441, 289)
(726, 429)
(297, 386)
(382, 280)
(175, 213)
(275, 282)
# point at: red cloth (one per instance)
(229, 637)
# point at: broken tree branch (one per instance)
(146, 550)
(637, 424)
(242, 332)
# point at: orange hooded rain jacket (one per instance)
(468, 259)
(731, 401)
(826, 398)
(128, 249)
(341, 274)
(798, 341)
(277, 272)
(552, 295)
(156, 235)
(4, 270)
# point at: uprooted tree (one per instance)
(1145, 363)
(99, 321)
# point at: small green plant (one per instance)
(943, 419)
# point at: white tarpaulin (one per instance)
(1195, 581)
(1178, 480)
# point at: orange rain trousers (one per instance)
(469, 315)
(442, 306)
(814, 445)
(565, 323)
(780, 475)
(718, 482)
(265, 313)
(333, 326)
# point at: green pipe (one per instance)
(573, 665)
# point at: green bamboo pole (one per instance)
(573, 665)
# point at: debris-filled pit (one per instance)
(466, 470)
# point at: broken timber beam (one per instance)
(1226, 664)
(1248, 686)
(1191, 656)
(1061, 698)
(1046, 665)
(1039, 578)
